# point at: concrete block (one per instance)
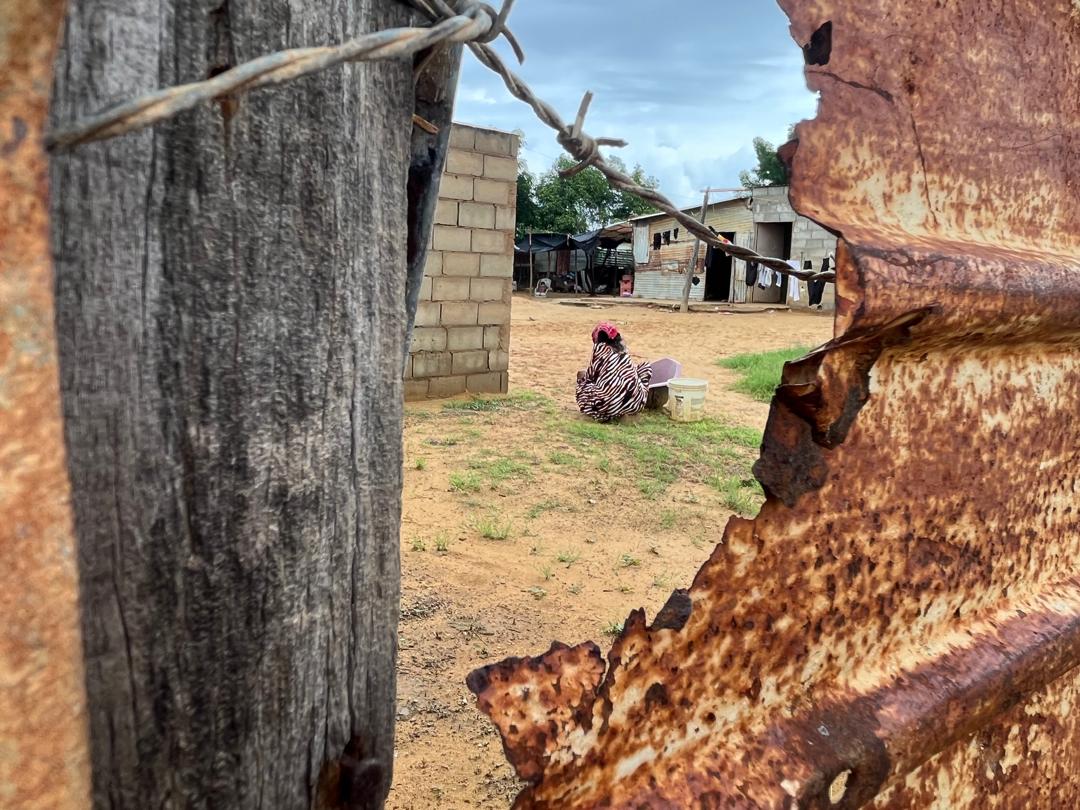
(497, 337)
(500, 168)
(450, 288)
(408, 368)
(425, 289)
(495, 143)
(490, 383)
(498, 360)
(416, 389)
(446, 387)
(470, 362)
(505, 218)
(497, 266)
(432, 364)
(460, 314)
(462, 137)
(490, 241)
(488, 289)
(465, 338)
(428, 313)
(499, 192)
(769, 216)
(459, 162)
(451, 238)
(428, 339)
(454, 187)
(476, 215)
(492, 314)
(460, 264)
(433, 263)
(446, 212)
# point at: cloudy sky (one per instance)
(689, 83)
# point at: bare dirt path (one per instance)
(524, 524)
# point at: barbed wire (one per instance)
(458, 21)
(476, 22)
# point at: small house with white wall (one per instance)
(761, 219)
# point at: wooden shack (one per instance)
(663, 251)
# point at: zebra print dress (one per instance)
(613, 385)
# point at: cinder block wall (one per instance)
(461, 342)
(809, 241)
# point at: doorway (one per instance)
(772, 239)
(718, 273)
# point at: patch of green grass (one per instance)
(591, 431)
(442, 544)
(662, 582)
(624, 588)
(465, 481)
(612, 629)
(493, 527)
(448, 441)
(742, 496)
(537, 592)
(550, 505)
(568, 558)
(547, 572)
(575, 589)
(499, 470)
(563, 459)
(656, 452)
(418, 544)
(629, 561)
(668, 519)
(760, 373)
(420, 464)
(524, 400)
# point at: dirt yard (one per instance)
(524, 523)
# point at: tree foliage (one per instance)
(770, 170)
(552, 203)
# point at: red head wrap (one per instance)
(607, 328)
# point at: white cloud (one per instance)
(689, 92)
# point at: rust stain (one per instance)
(43, 754)
(900, 626)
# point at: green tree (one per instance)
(527, 209)
(552, 203)
(770, 170)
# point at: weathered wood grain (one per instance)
(230, 293)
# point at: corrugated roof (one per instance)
(691, 209)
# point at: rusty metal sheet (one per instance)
(43, 756)
(900, 626)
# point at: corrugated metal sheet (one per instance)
(900, 626)
(665, 286)
(43, 756)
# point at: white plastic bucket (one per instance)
(686, 399)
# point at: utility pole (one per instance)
(697, 248)
(532, 284)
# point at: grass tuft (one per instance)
(465, 481)
(760, 373)
(494, 527)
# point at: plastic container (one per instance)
(686, 399)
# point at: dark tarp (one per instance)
(543, 243)
(588, 242)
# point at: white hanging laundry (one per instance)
(793, 284)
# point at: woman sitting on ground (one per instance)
(612, 385)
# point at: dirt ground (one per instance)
(524, 523)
